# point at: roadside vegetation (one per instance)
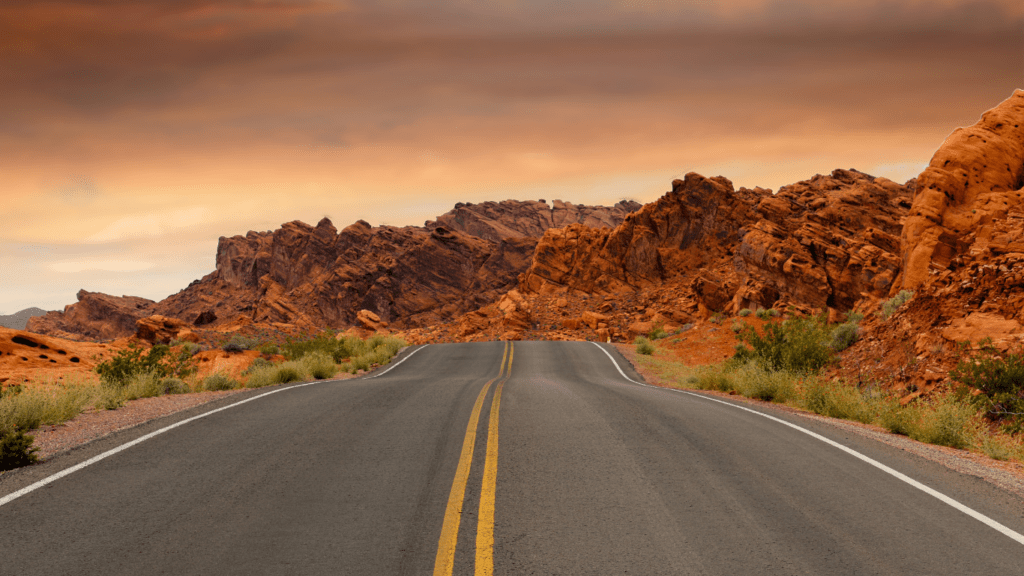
(135, 372)
(782, 362)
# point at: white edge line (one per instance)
(53, 478)
(395, 365)
(899, 475)
(112, 451)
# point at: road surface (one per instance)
(504, 458)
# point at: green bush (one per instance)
(219, 381)
(290, 372)
(1000, 379)
(949, 423)
(754, 381)
(745, 312)
(238, 343)
(144, 385)
(763, 313)
(890, 306)
(643, 346)
(260, 377)
(44, 405)
(16, 449)
(736, 327)
(799, 344)
(269, 349)
(836, 400)
(129, 362)
(258, 363)
(174, 385)
(658, 333)
(319, 365)
(843, 336)
(899, 419)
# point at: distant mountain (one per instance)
(18, 320)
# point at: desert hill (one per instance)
(18, 320)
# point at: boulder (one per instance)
(157, 329)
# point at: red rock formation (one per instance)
(973, 182)
(158, 329)
(497, 221)
(95, 315)
(824, 242)
(309, 277)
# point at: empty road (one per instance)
(503, 458)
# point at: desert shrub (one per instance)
(843, 336)
(338, 348)
(219, 381)
(174, 385)
(762, 313)
(773, 312)
(658, 333)
(45, 404)
(998, 447)
(754, 381)
(643, 346)
(129, 362)
(377, 350)
(799, 344)
(257, 364)
(745, 312)
(269, 349)
(890, 306)
(836, 400)
(319, 365)
(290, 372)
(260, 377)
(854, 316)
(15, 449)
(238, 343)
(948, 423)
(736, 327)
(190, 348)
(143, 385)
(712, 379)
(1000, 379)
(899, 419)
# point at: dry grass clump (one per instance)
(945, 420)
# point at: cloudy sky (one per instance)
(134, 133)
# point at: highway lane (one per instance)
(592, 474)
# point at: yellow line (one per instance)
(485, 520)
(445, 561)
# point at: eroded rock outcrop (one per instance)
(972, 184)
(95, 315)
(310, 277)
(825, 242)
(497, 221)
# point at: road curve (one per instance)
(530, 458)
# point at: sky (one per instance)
(135, 133)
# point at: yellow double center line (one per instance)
(445, 560)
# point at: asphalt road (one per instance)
(578, 471)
